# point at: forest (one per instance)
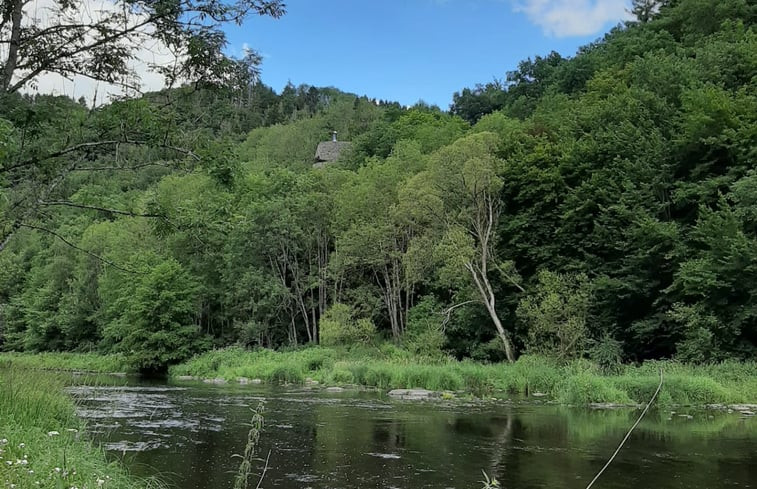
(599, 206)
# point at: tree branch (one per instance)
(447, 313)
(70, 244)
(101, 209)
(96, 144)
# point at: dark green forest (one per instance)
(601, 206)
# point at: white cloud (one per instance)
(39, 12)
(565, 18)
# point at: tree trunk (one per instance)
(9, 67)
(390, 300)
(487, 296)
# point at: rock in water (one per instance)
(414, 394)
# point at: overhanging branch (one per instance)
(78, 248)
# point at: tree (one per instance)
(157, 326)
(70, 40)
(645, 10)
(376, 231)
(461, 193)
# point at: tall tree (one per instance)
(461, 193)
(71, 39)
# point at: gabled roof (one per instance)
(330, 150)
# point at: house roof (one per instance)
(330, 150)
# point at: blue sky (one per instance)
(408, 50)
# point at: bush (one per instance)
(424, 335)
(556, 314)
(287, 374)
(338, 326)
(607, 353)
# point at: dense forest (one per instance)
(602, 206)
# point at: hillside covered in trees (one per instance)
(603, 205)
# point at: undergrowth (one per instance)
(579, 382)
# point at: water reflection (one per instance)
(188, 434)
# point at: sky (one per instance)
(396, 50)
(411, 50)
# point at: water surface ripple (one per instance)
(188, 434)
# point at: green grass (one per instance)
(42, 442)
(577, 383)
(82, 362)
(388, 367)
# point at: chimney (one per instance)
(333, 136)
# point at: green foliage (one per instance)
(424, 335)
(79, 362)
(340, 327)
(607, 353)
(585, 388)
(7, 140)
(628, 168)
(556, 314)
(577, 382)
(156, 328)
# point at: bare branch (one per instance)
(97, 144)
(101, 209)
(70, 244)
(447, 313)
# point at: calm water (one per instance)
(187, 433)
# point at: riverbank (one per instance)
(66, 361)
(387, 367)
(578, 383)
(41, 440)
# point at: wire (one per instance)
(617, 450)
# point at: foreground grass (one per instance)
(577, 383)
(41, 442)
(80, 362)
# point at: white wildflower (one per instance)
(52, 433)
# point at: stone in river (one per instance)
(413, 394)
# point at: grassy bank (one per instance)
(80, 362)
(41, 442)
(577, 383)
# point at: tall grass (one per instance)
(577, 383)
(82, 362)
(42, 442)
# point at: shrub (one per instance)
(339, 327)
(287, 374)
(556, 314)
(607, 353)
(424, 335)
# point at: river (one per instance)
(188, 433)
